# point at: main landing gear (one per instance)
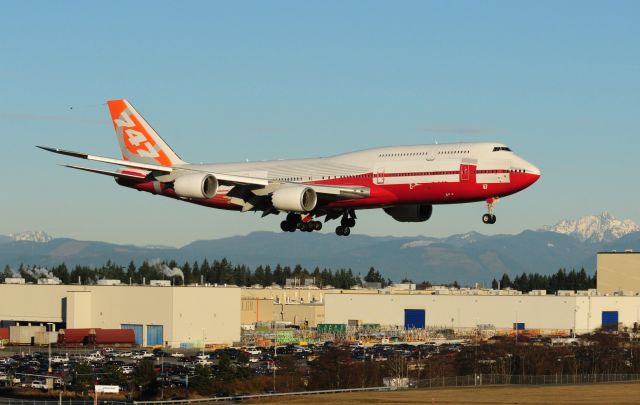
(295, 221)
(347, 222)
(489, 218)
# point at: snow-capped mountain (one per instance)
(595, 228)
(32, 236)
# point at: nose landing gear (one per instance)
(490, 218)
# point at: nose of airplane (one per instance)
(533, 171)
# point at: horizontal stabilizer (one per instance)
(108, 160)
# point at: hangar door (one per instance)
(414, 318)
(610, 320)
(155, 335)
(137, 330)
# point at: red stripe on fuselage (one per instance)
(437, 192)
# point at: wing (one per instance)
(251, 192)
(225, 179)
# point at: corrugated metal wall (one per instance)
(414, 318)
(137, 329)
(155, 335)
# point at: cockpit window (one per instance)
(499, 148)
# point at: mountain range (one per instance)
(466, 258)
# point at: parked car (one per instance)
(38, 384)
(177, 355)
(126, 369)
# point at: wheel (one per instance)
(346, 231)
(340, 230)
(486, 218)
(493, 219)
(284, 225)
(351, 222)
(317, 225)
(304, 227)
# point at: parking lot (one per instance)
(23, 368)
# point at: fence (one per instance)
(461, 381)
(17, 401)
(505, 379)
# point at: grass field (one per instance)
(622, 393)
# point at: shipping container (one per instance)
(155, 335)
(4, 334)
(137, 330)
(117, 337)
(331, 328)
(24, 335)
(414, 318)
(76, 337)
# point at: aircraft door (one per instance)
(378, 176)
(464, 172)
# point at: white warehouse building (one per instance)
(171, 316)
(578, 313)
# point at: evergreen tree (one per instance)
(131, 273)
(201, 382)
(146, 378)
(62, 273)
(7, 273)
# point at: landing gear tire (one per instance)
(340, 230)
(346, 231)
(317, 225)
(489, 219)
(287, 226)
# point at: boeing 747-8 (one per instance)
(405, 181)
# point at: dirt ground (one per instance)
(622, 393)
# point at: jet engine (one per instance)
(200, 185)
(294, 199)
(410, 213)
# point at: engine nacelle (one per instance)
(410, 213)
(294, 199)
(200, 185)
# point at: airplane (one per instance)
(404, 181)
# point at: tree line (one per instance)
(561, 280)
(218, 272)
(224, 272)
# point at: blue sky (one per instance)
(559, 82)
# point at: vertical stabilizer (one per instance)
(138, 141)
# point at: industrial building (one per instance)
(618, 272)
(570, 312)
(196, 316)
(171, 316)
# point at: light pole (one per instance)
(49, 344)
(275, 354)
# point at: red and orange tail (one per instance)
(138, 141)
